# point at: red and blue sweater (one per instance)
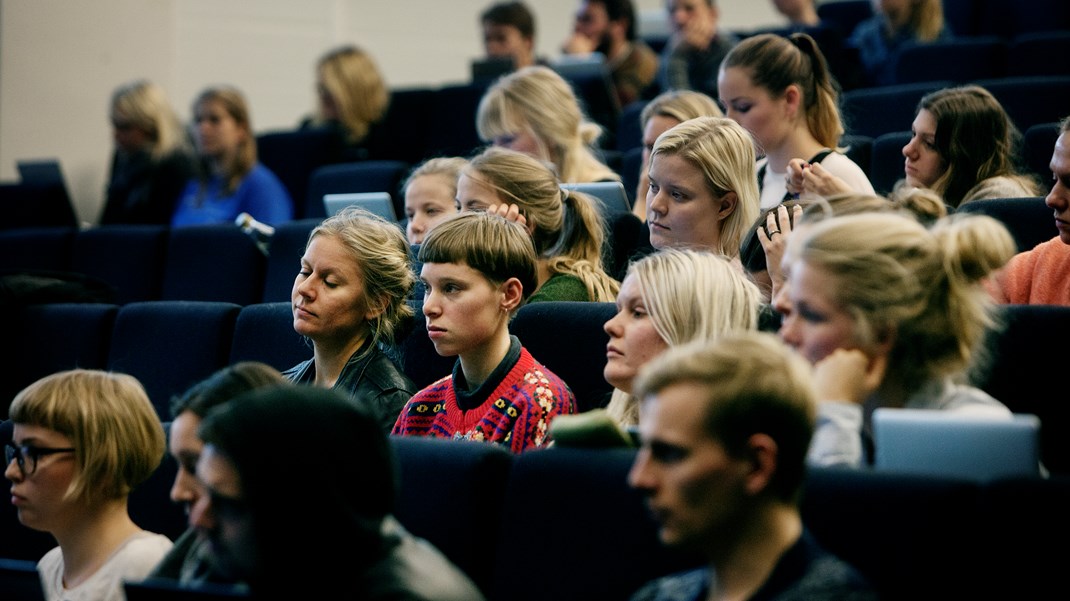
(516, 414)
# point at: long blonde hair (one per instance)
(537, 100)
(357, 88)
(144, 105)
(567, 228)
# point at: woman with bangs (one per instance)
(82, 440)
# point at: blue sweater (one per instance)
(260, 194)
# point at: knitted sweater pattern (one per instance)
(517, 414)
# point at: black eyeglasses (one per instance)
(28, 454)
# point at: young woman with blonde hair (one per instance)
(565, 226)
(535, 111)
(353, 95)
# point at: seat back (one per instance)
(129, 257)
(402, 134)
(1031, 100)
(293, 155)
(217, 263)
(1038, 145)
(880, 110)
(1029, 220)
(264, 332)
(467, 482)
(568, 338)
(54, 337)
(959, 59)
(1020, 371)
(629, 128)
(452, 131)
(284, 258)
(36, 248)
(859, 149)
(886, 160)
(171, 345)
(361, 176)
(1033, 54)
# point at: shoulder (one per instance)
(809, 572)
(949, 396)
(849, 171)
(384, 373)
(684, 586)
(561, 287)
(415, 569)
(1002, 186)
(136, 558)
(261, 176)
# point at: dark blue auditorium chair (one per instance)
(452, 494)
(859, 149)
(1028, 219)
(880, 110)
(886, 160)
(293, 155)
(452, 130)
(1039, 53)
(1031, 100)
(571, 513)
(171, 345)
(36, 248)
(361, 176)
(1024, 374)
(402, 134)
(284, 258)
(1038, 145)
(47, 338)
(568, 338)
(629, 128)
(264, 332)
(418, 357)
(129, 257)
(1012, 18)
(213, 263)
(959, 59)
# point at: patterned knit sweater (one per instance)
(517, 414)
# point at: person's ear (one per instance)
(727, 204)
(762, 453)
(885, 337)
(792, 99)
(376, 307)
(512, 294)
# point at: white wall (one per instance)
(60, 60)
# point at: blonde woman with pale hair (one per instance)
(153, 158)
(82, 440)
(703, 189)
(231, 181)
(667, 299)
(664, 112)
(352, 95)
(890, 314)
(535, 111)
(431, 195)
(895, 23)
(565, 226)
(349, 300)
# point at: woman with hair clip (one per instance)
(153, 159)
(353, 97)
(349, 300)
(535, 111)
(891, 314)
(963, 147)
(231, 180)
(781, 91)
(565, 226)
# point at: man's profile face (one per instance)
(506, 41)
(692, 486)
(221, 516)
(1059, 197)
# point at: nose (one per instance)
(184, 488)
(655, 202)
(640, 477)
(12, 471)
(430, 306)
(679, 17)
(909, 150)
(612, 327)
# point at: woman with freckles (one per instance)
(348, 300)
(890, 314)
(703, 190)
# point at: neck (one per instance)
(331, 356)
(542, 272)
(745, 560)
(478, 363)
(97, 533)
(799, 144)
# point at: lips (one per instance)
(300, 311)
(658, 225)
(434, 332)
(611, 351)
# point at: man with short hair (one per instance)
(608, 27)
(693, 55)
(509, 32)
(725, 428)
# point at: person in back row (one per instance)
(608, 27)
(509, 32)
(231, 181)
(349, 299)
(722, 466)
(565, 226)
(477, 270)
(338, 539)
(696, 48)
(430, 193)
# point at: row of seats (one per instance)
(169, 345)
(563, 524)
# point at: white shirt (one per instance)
(132, 561)
(774, 185)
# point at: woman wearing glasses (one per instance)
(82, 440)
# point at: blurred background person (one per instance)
(608, 27)
(353, 97)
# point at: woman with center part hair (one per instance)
(82, 440)
(669, 298)
(535, 111)
(891, 314)
(565, 226)
(349, 300)
(431, 195)
(231, 180)
(352, 97)
(703, 192)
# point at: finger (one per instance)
(782, 218)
